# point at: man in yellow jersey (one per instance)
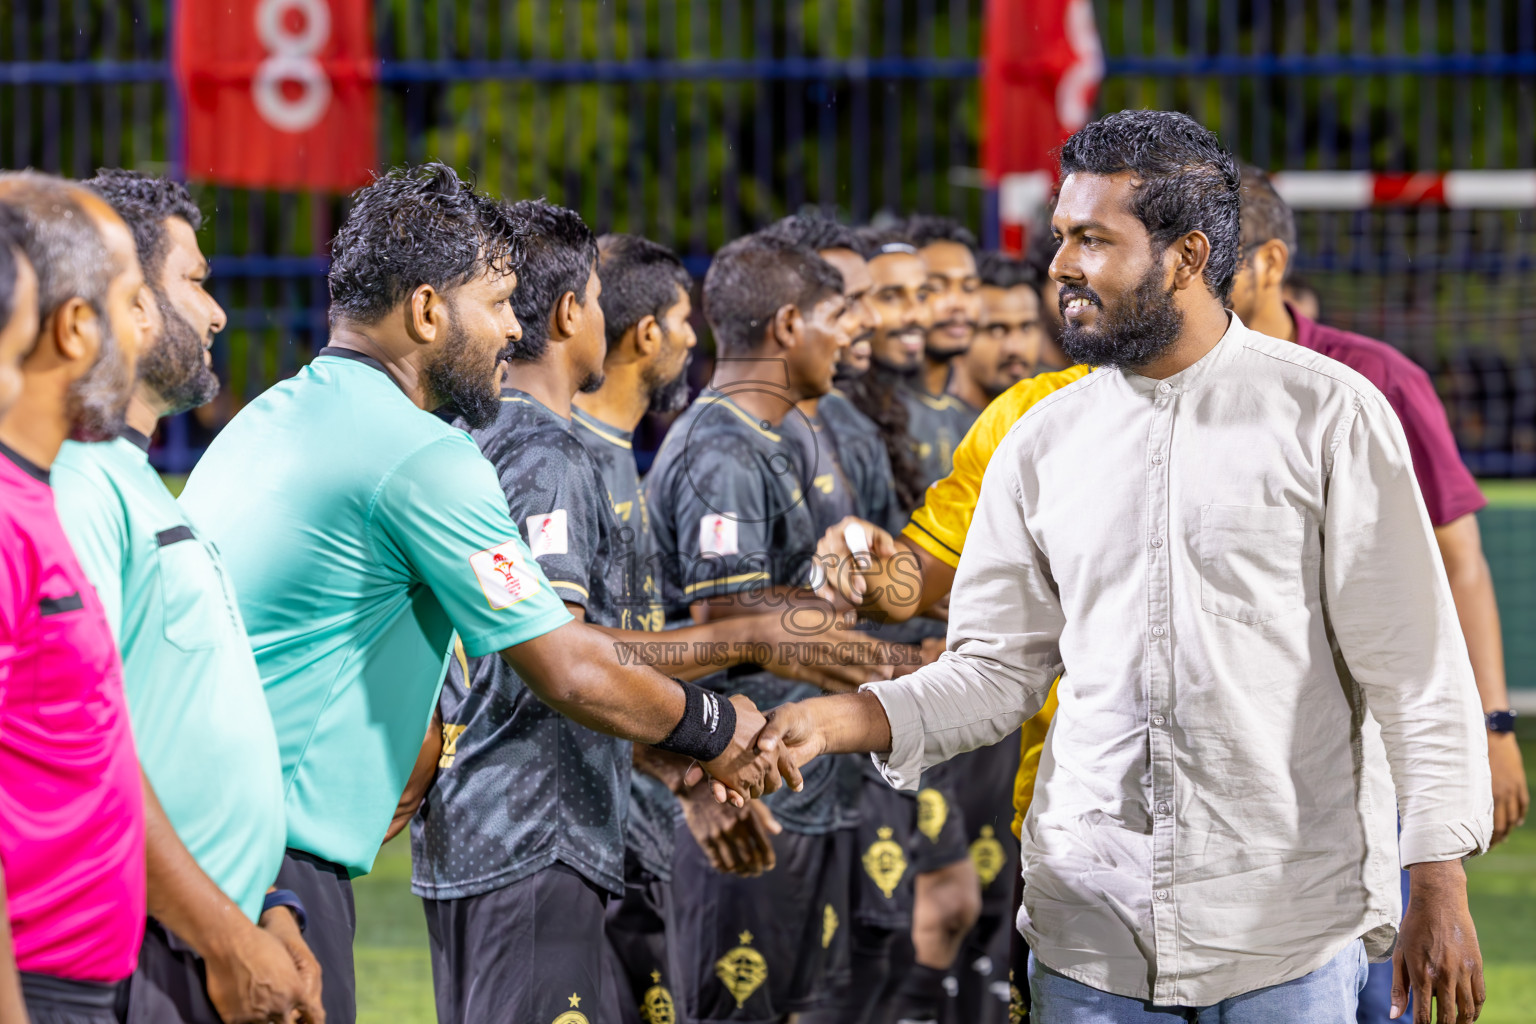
(911, 573)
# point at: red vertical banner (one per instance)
(1042, 68)
(278, 93)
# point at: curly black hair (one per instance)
(1003, 270)
(874, 394)
(1185, 180)
(640, 279)
(145, 203)
(924, 229)
(559, 255)
(816, 231)
(415, 226)
(754, 277)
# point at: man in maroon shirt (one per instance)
(1450, 493)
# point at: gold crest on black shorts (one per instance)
(573, 1015)
(885, 862)
(987, 855)
(742, 971)
(657, 1007)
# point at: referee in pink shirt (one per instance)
(71, 804)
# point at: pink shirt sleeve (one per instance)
(1449, 490)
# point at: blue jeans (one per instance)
(1376, 997)
(1326, 996)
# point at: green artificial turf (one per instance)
(394, 971)
(394, 975)
(1502, 887)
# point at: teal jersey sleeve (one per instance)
(443, 512)
(93, 517)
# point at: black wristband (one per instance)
(706, 728)
(290, 899)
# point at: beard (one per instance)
(1007, 375)
(668, 395)
(591, 382)
(97, 403)
(906, 371)
(939, 353)
(1131, 336)
(464, 379)
(176, 369)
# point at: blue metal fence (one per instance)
(694, 120)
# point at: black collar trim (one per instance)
(24, 464)
(140, 441)
(347, 353)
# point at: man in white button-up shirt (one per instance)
(1216, 538)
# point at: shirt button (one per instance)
(1157, 460)
(1158, 719)
(1164, 388)
(1157, 542)
(1162, 808)
(1162, 894)
(1157, 630)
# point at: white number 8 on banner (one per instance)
(291, 58)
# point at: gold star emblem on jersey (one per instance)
(829, 924)
(742, 971)
(657, 1007)
(573, 1015)
(987, 855)
(932, 813)
(885, 862)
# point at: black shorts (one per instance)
(170, 985)
(326, 892)
(530, 951)
(981, 782)
(758, 949)
(900, 836)
(637, 944)
(1018, 962)
(51, 1000)
(938, 836)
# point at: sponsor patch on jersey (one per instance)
(503, 575)
(547, 534)
(717, 535)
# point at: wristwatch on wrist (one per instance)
(1501, 721)
(290, 899)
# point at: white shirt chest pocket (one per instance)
(1252, 560)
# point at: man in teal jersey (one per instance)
(361, 532)
(204, 736)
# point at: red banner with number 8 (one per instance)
(278, 93)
